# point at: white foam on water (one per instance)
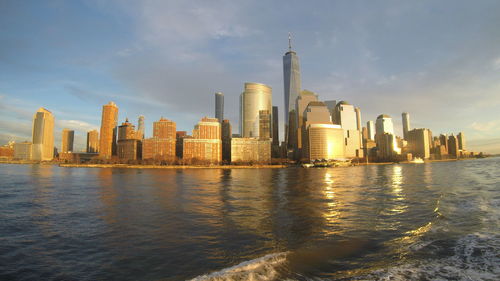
(476, 258)
(259, 269)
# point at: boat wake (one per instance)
(263, 268)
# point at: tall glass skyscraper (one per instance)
(43, 135)
(291, 75)
(255, 99)
(219, 106)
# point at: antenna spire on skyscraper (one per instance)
(289, 41)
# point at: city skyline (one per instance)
(75, 84)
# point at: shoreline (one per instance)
(269, 166)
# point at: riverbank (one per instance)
(171, 166)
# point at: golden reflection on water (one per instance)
(331, 212)
(397, 191)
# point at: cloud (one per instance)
(485, 126)
(76, 125)
(496, 63)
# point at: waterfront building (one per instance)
(418, 143)
(68, 138)
(370, 126)
(206, 144)
(219, 106)
(331, 104)
(140, 127)
(443, 140)
(349, 118)
(93, 141)
(43, 135)
(226, 140)
(162, 146)
(255, 97)
(406, 124)
(303, 100)
(275, 148)
(461, 141)
(250, 150)
(109, 121)
(292, 87)
(23, 150)
(322, 139)
(325, 142)
(453, 146)
(164, 129)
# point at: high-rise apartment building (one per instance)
(255, 97)
(68, 137)
(162, 146)
(219, 106)
(109, 121)
(23, 150)
(93, 141)
(206, 144)
(43, 135)
(406, 124)
(292, 83)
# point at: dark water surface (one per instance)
(433, 221)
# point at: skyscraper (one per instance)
(43, 135)
(140, 127)
(109, 120)
(92, 141)
(349, 118)
(206, 144)
(406, 124)
(461, 141)
(164, 129)
(219, 106)
(291, 78)
(68, 137)
(276, 136)
(303, 100)
(384, 136)
(255, 97)
(162, 146)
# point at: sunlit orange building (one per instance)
(206, 144)
(162, 146)
(107, 142)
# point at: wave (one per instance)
(475, 257)
(259, 269)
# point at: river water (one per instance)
(433, 221)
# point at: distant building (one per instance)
(303, 100)
(23, 150)
(93, 141)
(250, 150)
(68, 138)
(418, 143)
(206, 144)
(264, 124)
(443, 140)
(325, 142)
(461, 141)
(275, 147)
(349, 118)
(43, 135)
(255, 97)
(129, 147)
(226, 140)
(453, 146)
(109, 121)
(292, 87)
(219, 106)
(370, 126)
(7, 151)
(162, 146)
(140, 127)
(385, 138)
(179, 143)
(406, 124)
(322, 139)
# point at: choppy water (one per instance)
(434, 221)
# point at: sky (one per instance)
(437, 60)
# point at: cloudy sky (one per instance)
(437, 60)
